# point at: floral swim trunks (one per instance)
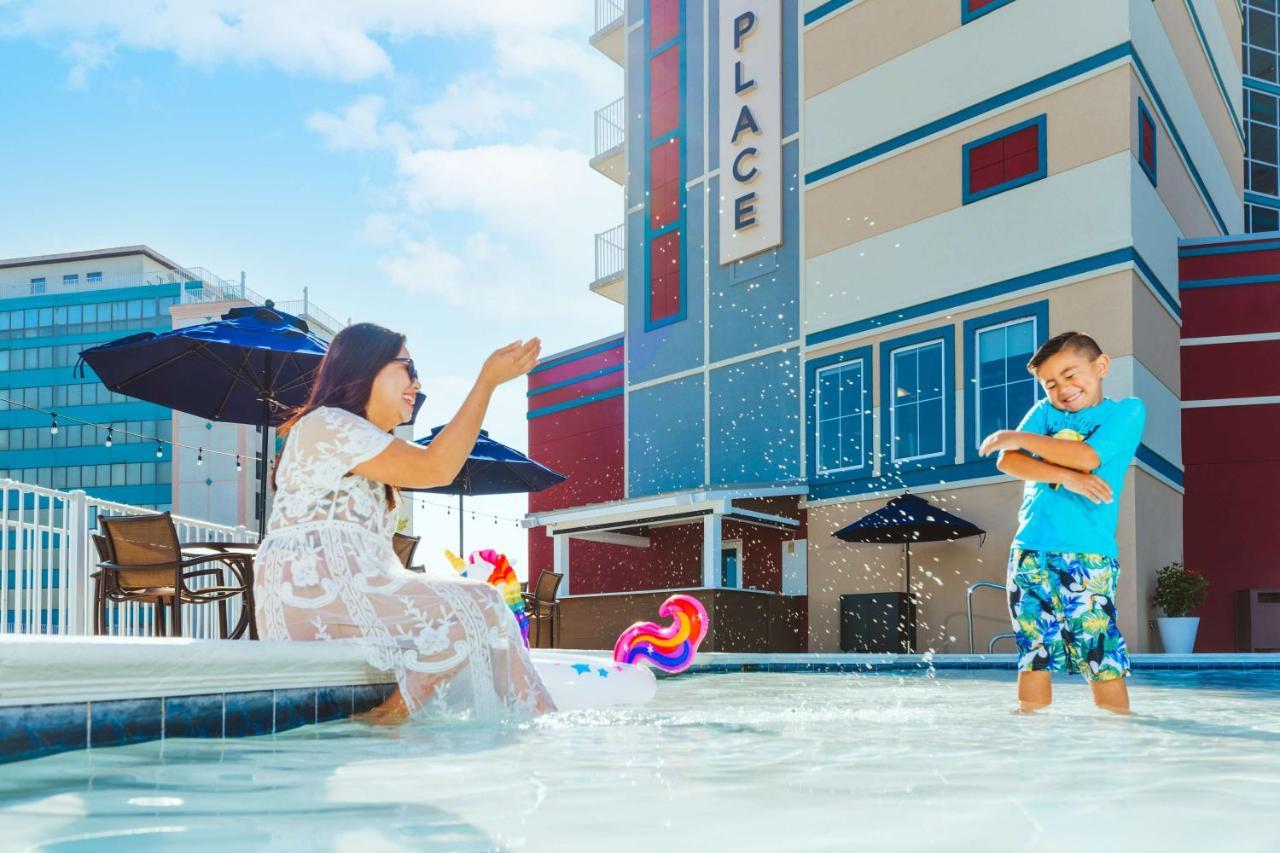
(1064, 613)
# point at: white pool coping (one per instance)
(52, 669)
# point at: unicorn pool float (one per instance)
(579, 680)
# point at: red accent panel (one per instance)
(575, 368)
(664, 21)
(1236, 310)
(664, 276)
(1230, 370)
(664, 184)
(664, 92)
(576, 390)
(1234, 265)
(1222, 537)
(1252, 431)
(1004, 159)
(585, 444)
(978, 5)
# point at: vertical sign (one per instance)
(750, 129)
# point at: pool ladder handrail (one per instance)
(1007, 635)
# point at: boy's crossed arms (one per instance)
(1044, 459)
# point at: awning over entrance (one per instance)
(609, 522)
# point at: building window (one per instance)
(1260, 219)
(841, 421)
(1009, 158)
(1260, 40)
(664, 166)
(71, 280)
(1260, 169)
(918, 401)
(1147, 142)
(93, 278)
(973, 9)
(998, 388)
(37, 285)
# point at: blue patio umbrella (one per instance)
(251, 367)
(492, 468)
(906, 519)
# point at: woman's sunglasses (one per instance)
(408, 366)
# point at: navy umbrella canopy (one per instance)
(251, 367)
(493, 468)
(906, 519)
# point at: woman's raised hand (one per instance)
(512, 361)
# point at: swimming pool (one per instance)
(746, 761)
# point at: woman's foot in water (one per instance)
(392, 712)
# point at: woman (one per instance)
(326, 569)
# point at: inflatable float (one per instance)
(578, 681)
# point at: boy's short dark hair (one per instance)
(1078, 341)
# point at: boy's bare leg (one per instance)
(1111, 695)
(1035, 691)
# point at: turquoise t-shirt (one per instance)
(1056, 519)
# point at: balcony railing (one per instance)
(199, 285)
(608, 13)
(610, 124)
(611, 253)
(307, 310)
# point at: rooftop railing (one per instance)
(608, 13)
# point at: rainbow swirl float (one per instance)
(671, 648)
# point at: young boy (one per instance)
(1072, 449)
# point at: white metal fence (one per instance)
(47, 557)
(610, 124)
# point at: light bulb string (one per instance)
(58, 419)
(448, 508)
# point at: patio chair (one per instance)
(405, 545)
(147, 564)
(542, 604)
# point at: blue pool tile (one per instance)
(193, 716)
(333, 703)
(249, 713)
(122, 721)
(366, 696)
(30, 731)
(295, 708)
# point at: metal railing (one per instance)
(611, 252)
(307, 310)
(188, 276)
(47, 558)
(973, 588)
(608, 13)
(610, 127)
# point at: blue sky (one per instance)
(417, 164)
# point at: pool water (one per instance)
(734, 762)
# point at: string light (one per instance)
(107, 443)
(237, 462)
(53, 426)
(159, 450)
(200, 456)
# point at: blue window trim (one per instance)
(1038, 311)
(968, 17)
(1040, 122)
(812, 366)
(680, 133)
(946, 459)
(1149, 168)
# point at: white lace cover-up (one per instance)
(326, 571)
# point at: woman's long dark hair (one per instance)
(345, 377)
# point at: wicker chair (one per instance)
(146, 564)
(405, 545)
(542, 604)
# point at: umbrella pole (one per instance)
(461, 553)
(906, 547)
(266, 428)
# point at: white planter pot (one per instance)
(1178, 633)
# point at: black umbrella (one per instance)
(908, 519)
(493, 468)
(250, 367)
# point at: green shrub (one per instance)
(1179, 590)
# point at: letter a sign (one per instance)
(750, 127)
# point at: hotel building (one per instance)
(846, 230)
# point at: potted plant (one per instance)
(1179, 591)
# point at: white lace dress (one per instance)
(326, 571)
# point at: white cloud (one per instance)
(84, 58)
(330, 38)
(359, 127)
(474, 106)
